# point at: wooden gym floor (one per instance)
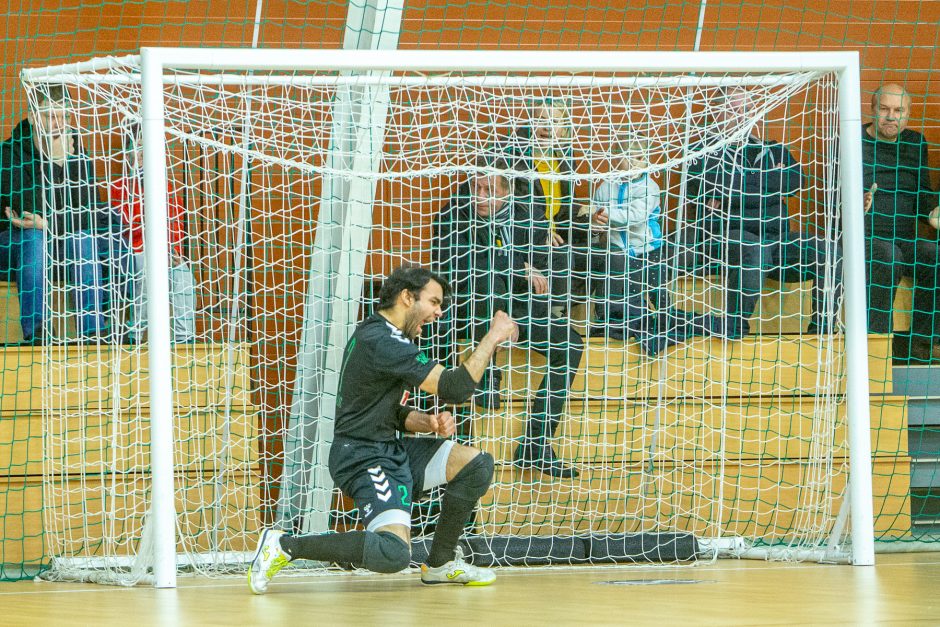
(902, 589)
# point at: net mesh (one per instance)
(903, 414)
(671, 427)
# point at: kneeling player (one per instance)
(380, 470)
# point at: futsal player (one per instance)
(383, 471)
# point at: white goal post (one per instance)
(372, 73)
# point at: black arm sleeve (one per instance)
(401, 415)
(792, 175)
(456, 386)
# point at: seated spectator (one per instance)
(539, 151)
(630, 271)
(52, 211)
(741, 190)
(493, 252)
(896, 174)
(126, 197)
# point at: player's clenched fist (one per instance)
(503, 327)
(443, 424)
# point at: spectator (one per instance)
(632, 271)
(51, 207)
(741, 188)
(494, 253)
(126, 196)
(541, 151)
(897, 177)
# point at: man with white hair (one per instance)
(900, 223)
(493, 251)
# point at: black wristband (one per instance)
(401, 416)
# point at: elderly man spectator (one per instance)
(900, 207)
(741, 190)
(494, 254)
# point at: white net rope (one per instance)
(274, 176)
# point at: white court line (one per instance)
(301, 579)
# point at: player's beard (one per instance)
(412, 324)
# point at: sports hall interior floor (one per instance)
(902, 589)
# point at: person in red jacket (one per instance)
(126, 195)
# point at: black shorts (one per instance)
(383, 478)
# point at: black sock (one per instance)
(344, 548)
(460, 497)
(455, 512)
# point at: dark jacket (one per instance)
(517, 150)
(904, 193)
(66, 195)
(752, 182)
(486, 257)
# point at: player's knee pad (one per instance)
(384, 552)
(473, 480)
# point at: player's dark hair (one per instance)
(408, 277)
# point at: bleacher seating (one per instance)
(85, 423)
(765, 387)
(768, 380)
(783, 308)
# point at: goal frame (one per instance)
(375, 65)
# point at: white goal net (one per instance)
(685, 354)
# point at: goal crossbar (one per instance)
(219, 59)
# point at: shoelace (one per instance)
(458, 557)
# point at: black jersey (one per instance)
(902, 173)
(379, 365)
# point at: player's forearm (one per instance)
(417, 422)
(480, 358)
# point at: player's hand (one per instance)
(713, 203)
(537, 280)
(443, 424)
(27, 220)
(555, 239)
(869, 197)
(503, 328)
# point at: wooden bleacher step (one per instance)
(96, 440)
(685, 430)
(702, 367)
(102, 377)
(703, 498)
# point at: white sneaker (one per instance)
(268, 560)
(457, 571)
